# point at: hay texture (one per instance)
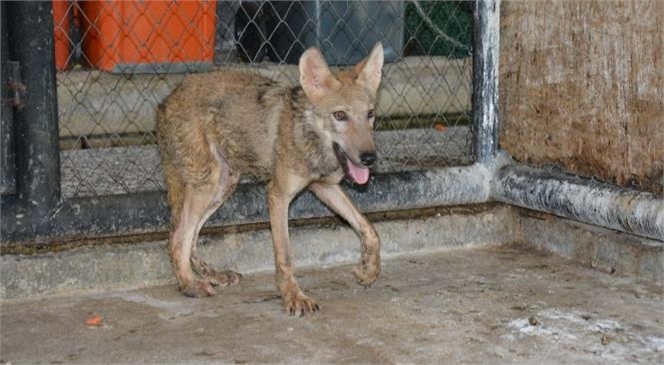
(582, 88)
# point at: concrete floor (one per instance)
(508, 304)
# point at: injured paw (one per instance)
(368, 269)
(366, 273)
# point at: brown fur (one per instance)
(216, 127)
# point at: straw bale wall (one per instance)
(582, 88)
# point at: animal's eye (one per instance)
(339, 115)
(371, 114)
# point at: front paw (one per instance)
(367, 271)
(300, 304)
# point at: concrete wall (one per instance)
(582, 88)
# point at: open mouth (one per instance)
(355, 173)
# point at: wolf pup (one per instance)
(216, 127)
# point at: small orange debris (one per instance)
(94, 320)
(440, 127)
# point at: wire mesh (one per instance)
(118, 60)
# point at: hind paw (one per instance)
(223, 278)
(197, 289)
(214, 277)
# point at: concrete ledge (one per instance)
(124, 265)
(594, 246)
(101, 267)
(581, 199)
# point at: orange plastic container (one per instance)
(148, 36)
(61, 25)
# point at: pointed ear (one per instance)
(315, 76)
(369, 70)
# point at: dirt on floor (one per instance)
(486, 305)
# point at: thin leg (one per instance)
(200, 201)
(182, 239)
(368, 269)
(295, 301)
(199, 266)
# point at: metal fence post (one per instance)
(37, 159)
(486, 52)
(7, 171)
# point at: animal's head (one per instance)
(344, 107)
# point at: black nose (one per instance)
(368, 159)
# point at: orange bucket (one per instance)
(148, 36)
(61, 25)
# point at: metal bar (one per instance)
(30, 30)
(580, 199)
(7, 173)
(486, 48)
(147, 212)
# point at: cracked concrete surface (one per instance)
(506, 304)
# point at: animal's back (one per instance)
(236, 112)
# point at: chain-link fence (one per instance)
(118, 60)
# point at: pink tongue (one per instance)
(359, 174)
